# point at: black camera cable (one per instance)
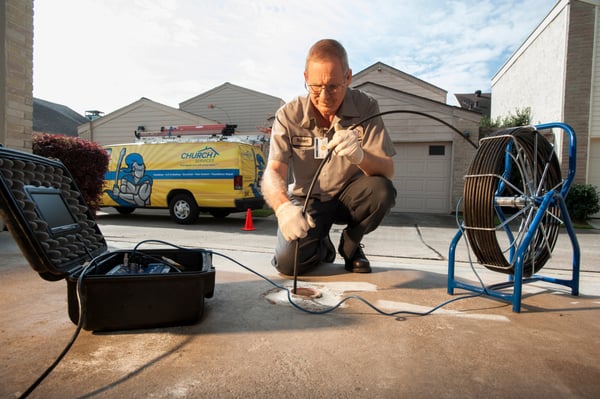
(328, 157)
(93, 263)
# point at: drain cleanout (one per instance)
(306, 293)
(318, 296)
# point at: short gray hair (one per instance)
(326, 49)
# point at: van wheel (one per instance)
(183, 209)
(125, 210)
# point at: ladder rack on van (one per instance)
(200, 134)
(247, 139)
(186, 130)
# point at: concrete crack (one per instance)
(441, 257)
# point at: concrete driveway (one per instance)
(251, 343)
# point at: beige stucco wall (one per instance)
(535, 75)
(16, 73)
(555, 72)
(538, 66)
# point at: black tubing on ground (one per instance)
(482, 181)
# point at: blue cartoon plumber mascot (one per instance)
(132, 186)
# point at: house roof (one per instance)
(398, 101)
(391, 91)
(225, 86)
(145, 102)
(478, 102)
(110, 128)
(378, 66)
(49, 117)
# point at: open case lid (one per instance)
(46, 214)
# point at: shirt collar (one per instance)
(348, 110)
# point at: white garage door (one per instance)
(422, 177)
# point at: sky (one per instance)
(105, 54)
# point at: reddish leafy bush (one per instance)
(86, 161)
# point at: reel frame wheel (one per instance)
(513, 207)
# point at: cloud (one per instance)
(111, 53)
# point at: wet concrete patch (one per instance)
(331, 294)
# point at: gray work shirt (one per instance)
(293, 142)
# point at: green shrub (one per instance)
(86, 161)
(582, 201)
(522, 117)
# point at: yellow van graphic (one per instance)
(218, 177)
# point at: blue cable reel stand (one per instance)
(513, 210)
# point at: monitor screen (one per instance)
(52, 208)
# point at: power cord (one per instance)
(323, 311)
(469, 257)
(93, 261)
(337, 305)
(81, 309)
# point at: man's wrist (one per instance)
(358, 157)
(281, 207)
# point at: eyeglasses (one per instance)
(329, 89)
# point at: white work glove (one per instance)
(292, 223)
(345, 143)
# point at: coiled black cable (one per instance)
(535, 171)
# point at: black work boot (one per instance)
(358, 262)
(330, 254)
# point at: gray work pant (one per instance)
(361, 206)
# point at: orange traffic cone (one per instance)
(249, 224)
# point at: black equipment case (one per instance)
(113, 290)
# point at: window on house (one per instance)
(437, 150)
